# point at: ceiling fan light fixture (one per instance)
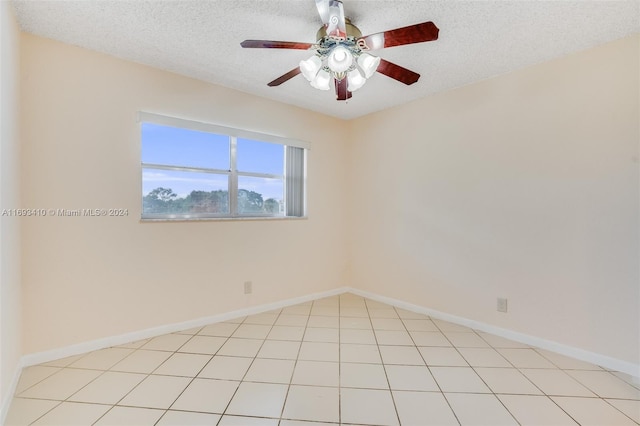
(369, 64)
(355, 80)
(321, 80)
(310, 67)
(340, 59)
(341, 52)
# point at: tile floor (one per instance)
(339, 360)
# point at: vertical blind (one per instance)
(295, 181)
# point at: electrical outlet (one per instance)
(248, 287)
(502, 304)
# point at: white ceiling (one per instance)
(201, 39)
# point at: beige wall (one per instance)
(10, 291)
(87, 278)
(524, 186)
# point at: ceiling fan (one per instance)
(341, 53)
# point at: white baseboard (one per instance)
(80, 348)
(581, 354)
(8, 397)
(107, 342)
(605, 361)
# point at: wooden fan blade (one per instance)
(288, 76)
(336, 26)
(397, 72)
(418, 33)
(269, 44)
(341, 89)
(323, 10)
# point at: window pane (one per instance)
(260, 196)
(260, 157)
(183, 193)
(181, 147)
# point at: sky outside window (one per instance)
(260, 157)
(182, 147)
(171, 146)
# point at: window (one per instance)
(193, 170)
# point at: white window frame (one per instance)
(233, 173)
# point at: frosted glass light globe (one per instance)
(321, 81)
(310, 67)
(355, 80)
(369, 64)
(340, 59)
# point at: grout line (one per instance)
(194, 377)
(147, 376)
(141, 348)
(384, 368)
(48, 411)
(69, 367)
(295, 363)
(429, 368)
(339, 362)
(39, 381)
(485, 383)
(597, 394)
(253, 358)
(301, 342)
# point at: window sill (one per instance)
(223, 219)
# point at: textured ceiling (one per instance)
(201, 39)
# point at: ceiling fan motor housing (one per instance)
(352, 30)
(330, 47)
